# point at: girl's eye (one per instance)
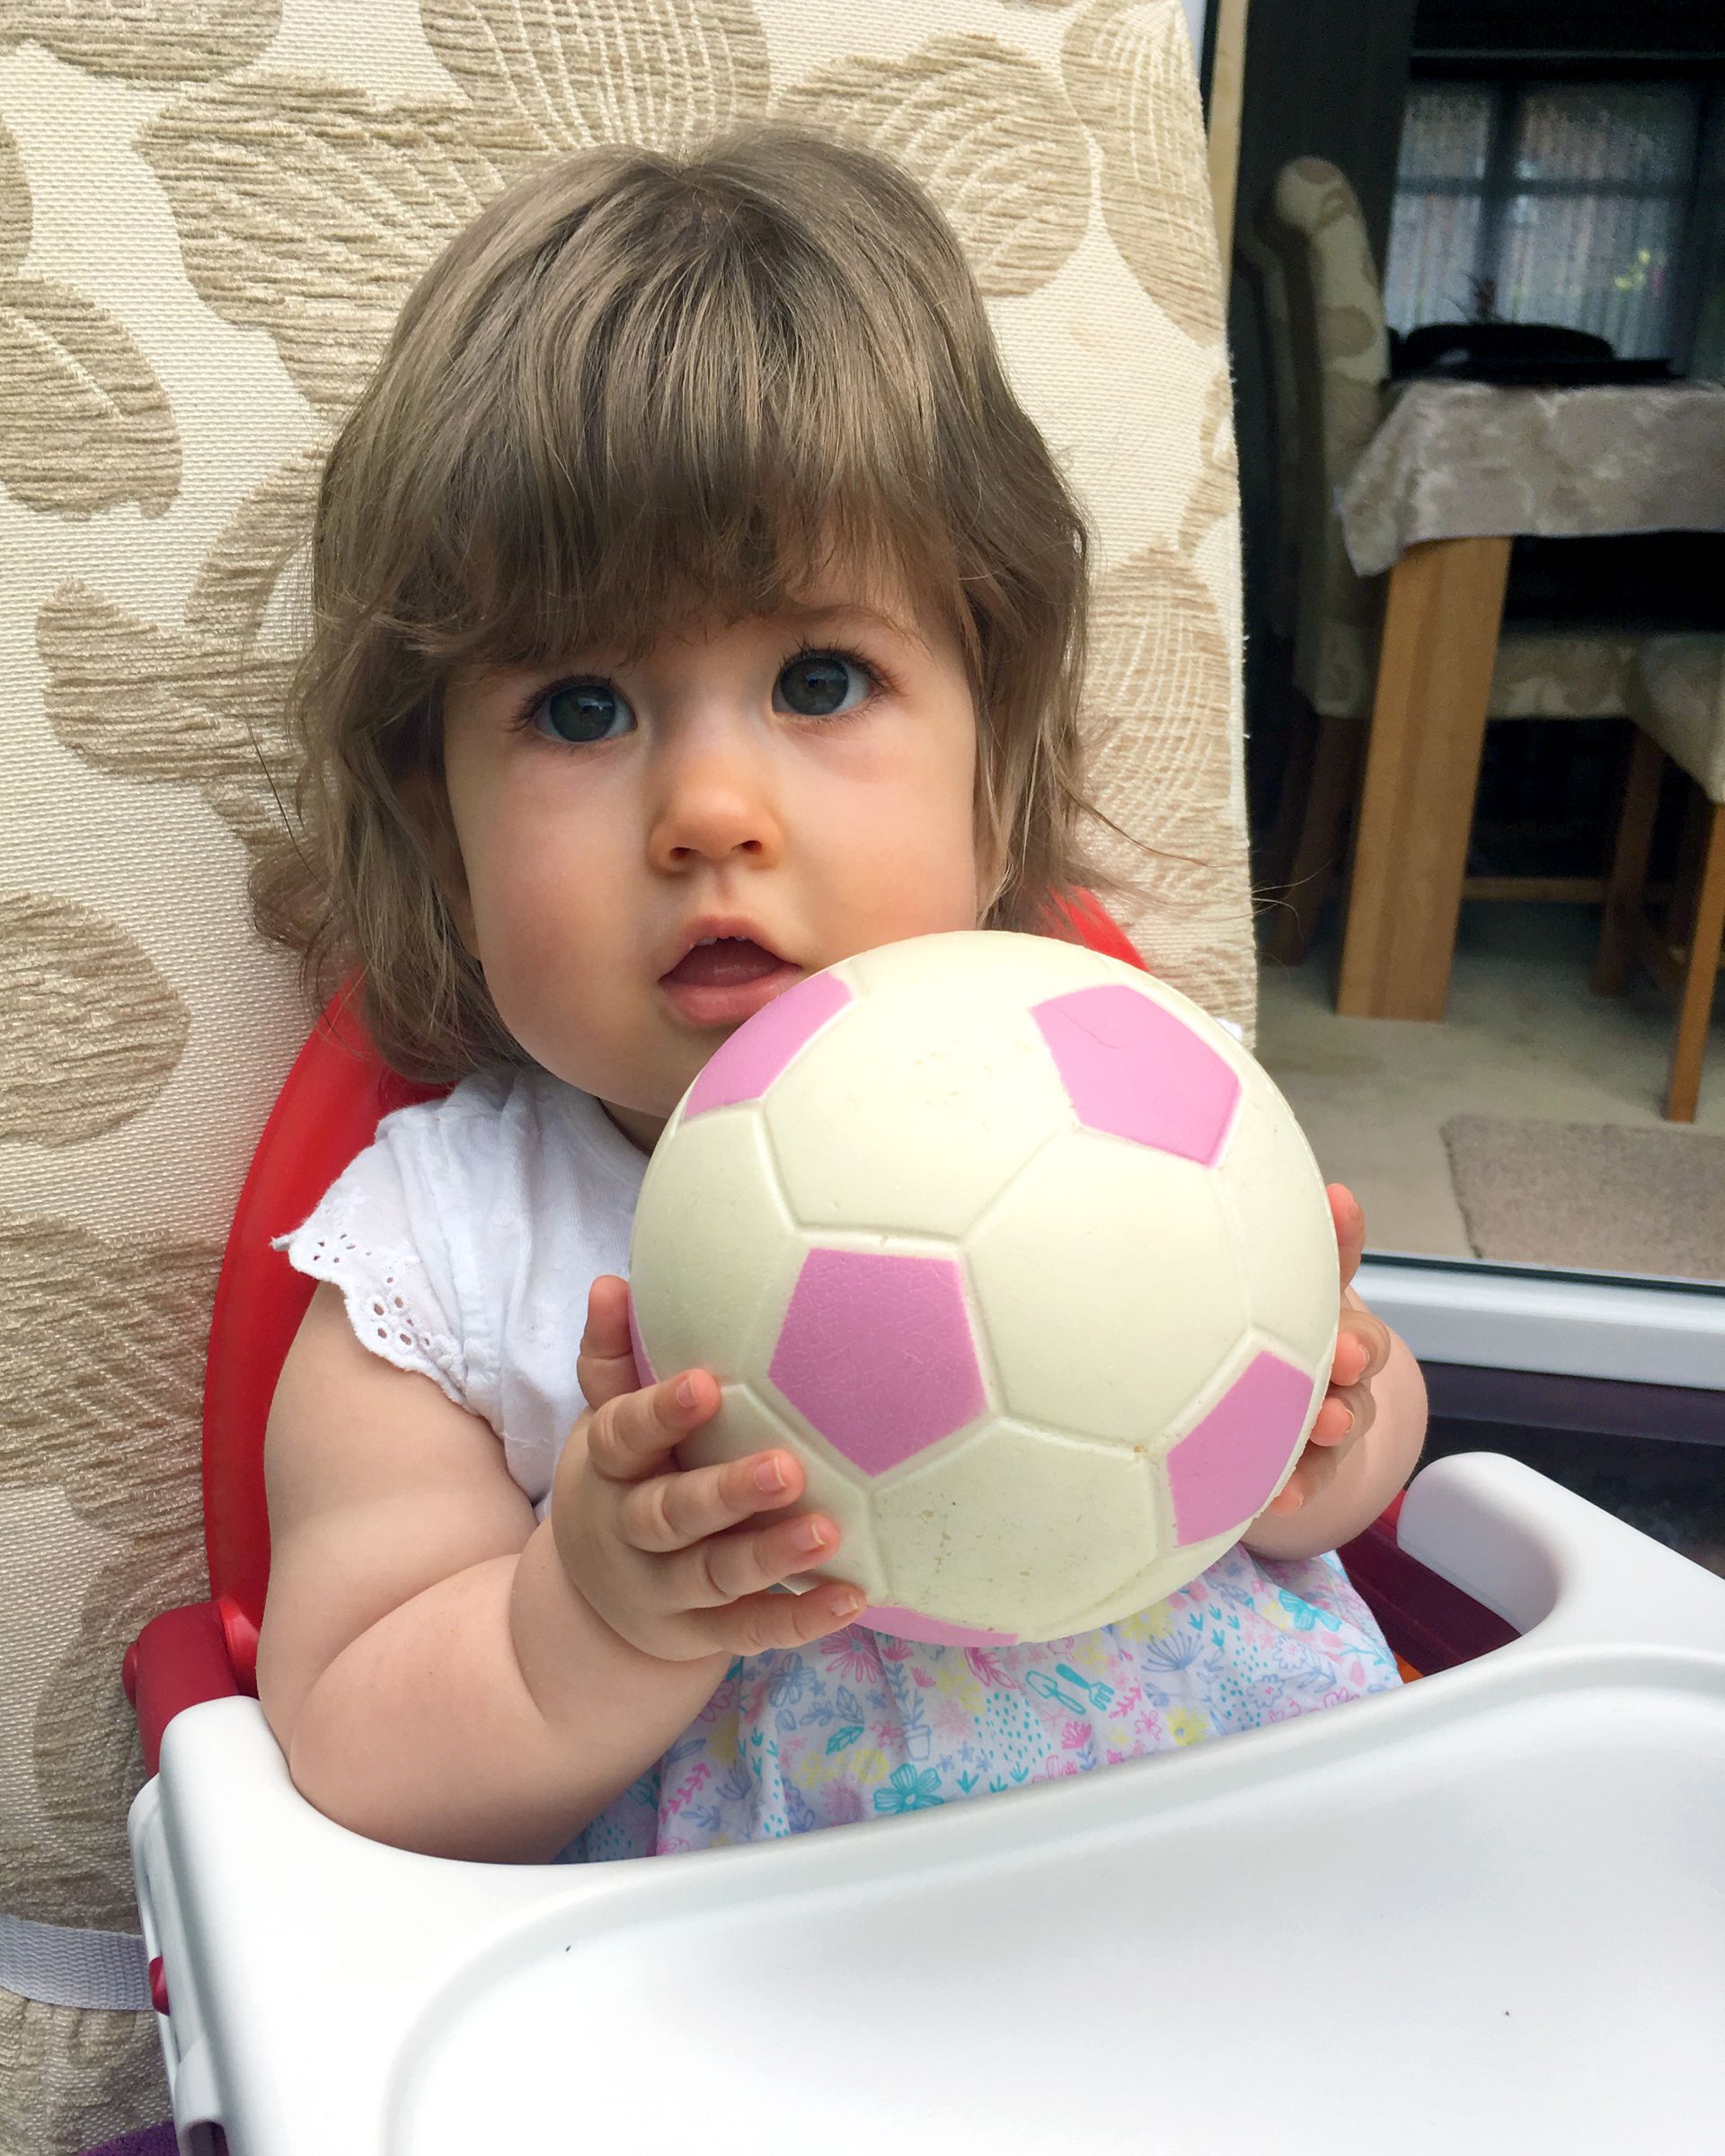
(824, 685)
(581, 711)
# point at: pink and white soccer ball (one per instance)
(1021, 1253)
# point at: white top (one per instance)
(465, 1240)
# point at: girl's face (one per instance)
(799, 786)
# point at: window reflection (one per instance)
(1559, 203)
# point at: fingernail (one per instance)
(685, 1391)
(811, 1535)
(769, 1475)
(846, 1606)
(1348, 1424)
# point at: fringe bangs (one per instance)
(715, 413)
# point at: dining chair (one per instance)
(1328, 342)
(1677, 701)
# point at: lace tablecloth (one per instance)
(1468, 460)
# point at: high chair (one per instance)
(1480, 1913)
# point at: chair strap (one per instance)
(58, 1966)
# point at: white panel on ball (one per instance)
(1016, 1518)
(979, 1090)
(980, 963)
(717, 1217)
(1283, 1230)
(1151, 1584)
(1079, 1250)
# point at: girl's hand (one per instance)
(679, 1561)
(1362, 1349)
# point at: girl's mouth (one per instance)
(724, 982)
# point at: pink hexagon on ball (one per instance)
(1135, 1069)
(876, 1351)
(745, 1065)
(1223, 1471)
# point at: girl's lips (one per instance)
(728, 1003)
(724, 962)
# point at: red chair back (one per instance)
(327, 1113)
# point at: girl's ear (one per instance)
(426, 803)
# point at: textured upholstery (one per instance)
(209, 212)
(1677, 696)
(1321, 288)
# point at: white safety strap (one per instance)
(56, 1965)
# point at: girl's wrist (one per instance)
(571, 1660)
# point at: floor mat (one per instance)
(1590, 1194)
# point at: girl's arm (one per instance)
(432, 1674)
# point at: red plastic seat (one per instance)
(327, 1113)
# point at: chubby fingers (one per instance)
(1348, 1409)
(671, 1511)
(1314, 1472)
(1346, 1211)
(633, 1433)
(725, 1568)
(1348, 1412)
(606, 1366)
(761, 1622)
(1362, 1349)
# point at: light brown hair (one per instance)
(634, 388)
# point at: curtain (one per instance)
(1566, 203)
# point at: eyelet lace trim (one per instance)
(371, 1283)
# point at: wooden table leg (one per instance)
(1700, 975)
(1422, 767)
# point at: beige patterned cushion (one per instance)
(209, 211)
(1541, 673)
(1330, 306)
(1678, 697)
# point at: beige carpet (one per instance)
(1590, 1194)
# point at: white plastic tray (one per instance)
(1486, 1913)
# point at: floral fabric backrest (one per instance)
(209, 212)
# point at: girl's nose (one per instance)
(715, 800)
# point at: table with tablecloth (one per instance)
(1454, 471)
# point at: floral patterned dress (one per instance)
(860, 1725)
